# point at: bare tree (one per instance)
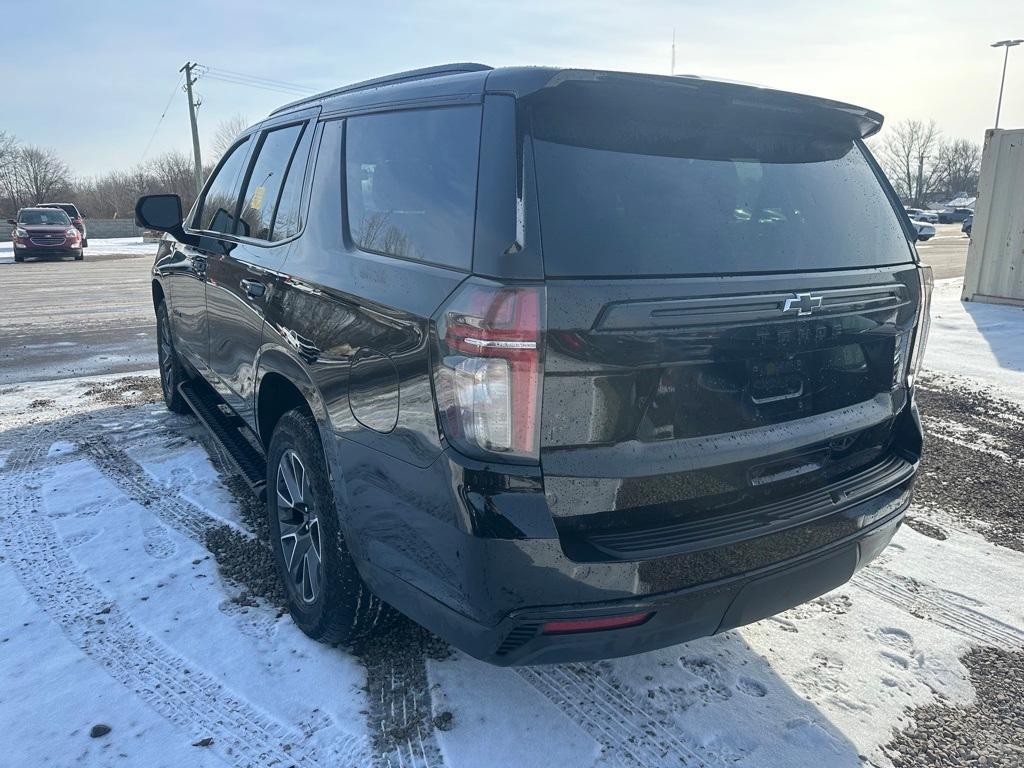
(39, 174)
(908, 156)
(226, 133)
(8, 162)
(958, 166)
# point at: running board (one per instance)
(247, 459)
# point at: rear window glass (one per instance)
(646, 184)
(266, 176)
(411, 183)
(286, 220)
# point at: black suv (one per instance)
(77, 219)
(561, 364)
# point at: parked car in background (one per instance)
(968, 223)
(953, 215)
(920, 215)
(925, 231)
(44, 232)
(77, 219)
(669, 411)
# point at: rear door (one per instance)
(730, 301)
(239, 277)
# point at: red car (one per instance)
(44, 232)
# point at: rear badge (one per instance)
(802, 303)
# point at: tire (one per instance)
(85, 242)
(18, 259)
(79, 255)
(172, 373)
(326, 595)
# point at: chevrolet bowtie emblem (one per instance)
(802, 303)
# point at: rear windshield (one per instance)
(635, 183)
(44, 216)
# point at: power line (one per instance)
(261, 86)
(254, 81)
(163, 114)
(266, 80)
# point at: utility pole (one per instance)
(192, 106)
(673, 69)
(1007, 44)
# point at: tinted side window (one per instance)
(411, 183)
(266, 178)
(286, 220)
(217, 211)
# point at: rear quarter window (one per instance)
(410, 181)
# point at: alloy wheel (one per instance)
(299, 527)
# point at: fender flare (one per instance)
(279, 360)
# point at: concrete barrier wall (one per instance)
(95, 228)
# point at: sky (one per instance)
(91, 80)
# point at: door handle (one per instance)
(254, 289)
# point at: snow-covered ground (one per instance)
(98, 246)
(980, 342)
(123, 548)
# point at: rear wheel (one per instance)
(172, 373)
(326, 596)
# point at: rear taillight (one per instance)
(488, 368)
(923, 324)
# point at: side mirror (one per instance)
(12, 221)
(163, 214)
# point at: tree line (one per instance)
(923, 166)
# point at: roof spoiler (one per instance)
(857, 121)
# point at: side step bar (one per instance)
(248, 460)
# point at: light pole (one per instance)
(1007, 44)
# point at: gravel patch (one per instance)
(128, 390)
(248, 562)
(972, 485)
(989, 733)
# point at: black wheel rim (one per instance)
(299, 528)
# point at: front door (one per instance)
(239, 280)
(212, 220)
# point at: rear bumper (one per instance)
(476, 557)
(677, 616)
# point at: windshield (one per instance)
(640, 184)
(54, 216)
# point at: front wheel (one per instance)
(172, 373)
(325, 594)
(79, 255)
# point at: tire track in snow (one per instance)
(939, 606)
(399, 698)
(620, 724)
(185, 695)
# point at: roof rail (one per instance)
(399, 77)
